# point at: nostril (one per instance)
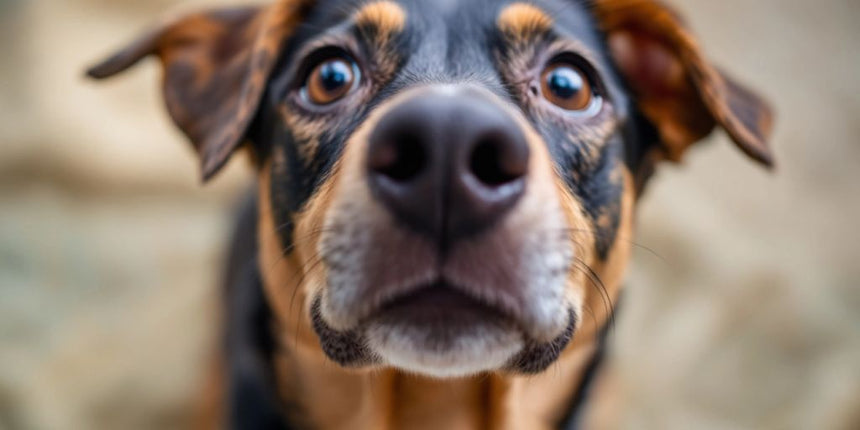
(400, 158)
(492, 163)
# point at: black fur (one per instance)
(249, 342)
(438, 46)
(253, 401)
(447, 46)
(573, 419)
(538, 357)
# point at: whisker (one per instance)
(301, 273)
(587, 308)
(625, 239)
(598, 283)
(306, 269)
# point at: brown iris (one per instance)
(330, 81)
(566, 86)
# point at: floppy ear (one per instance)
(676, 88)
(216, 65)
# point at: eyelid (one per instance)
(315, 58)
(562, 46)
(304, 91)
(579, 56)
(588, 70)
(309, 54)
(341, 41)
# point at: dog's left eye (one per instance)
(331, 80)
(567, 87)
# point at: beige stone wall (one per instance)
(742, 309)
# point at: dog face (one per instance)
(446, 187)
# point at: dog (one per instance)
(445, 195)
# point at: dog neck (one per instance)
(326, 396)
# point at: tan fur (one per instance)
(522, 21)
(209, 410)
(380, 22)
(387, 18)
(611, 273)
(517, 61)
(306, 133)
(331, 397)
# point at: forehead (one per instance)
(456, 20)
(448, 34)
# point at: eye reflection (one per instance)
(567, 87)
(330, 81)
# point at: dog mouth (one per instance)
(438, 305)
(439, 330)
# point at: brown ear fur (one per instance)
(676, 87)
(216, 64)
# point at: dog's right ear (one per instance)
(216, 65)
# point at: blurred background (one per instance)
(742, 308)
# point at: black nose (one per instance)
(448, 163)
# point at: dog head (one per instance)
(446, 187)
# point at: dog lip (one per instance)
(440, 301)
(438, 293)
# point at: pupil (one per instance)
(565, 82)
(335, 75)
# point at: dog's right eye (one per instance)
(330, 81)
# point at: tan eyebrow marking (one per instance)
(385, 17)
(523, 21)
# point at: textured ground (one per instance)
(743, 313)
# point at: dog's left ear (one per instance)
(677, 89)
(216, 65)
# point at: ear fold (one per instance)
(682, 94)
(216, 65)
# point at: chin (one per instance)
(441, 333)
